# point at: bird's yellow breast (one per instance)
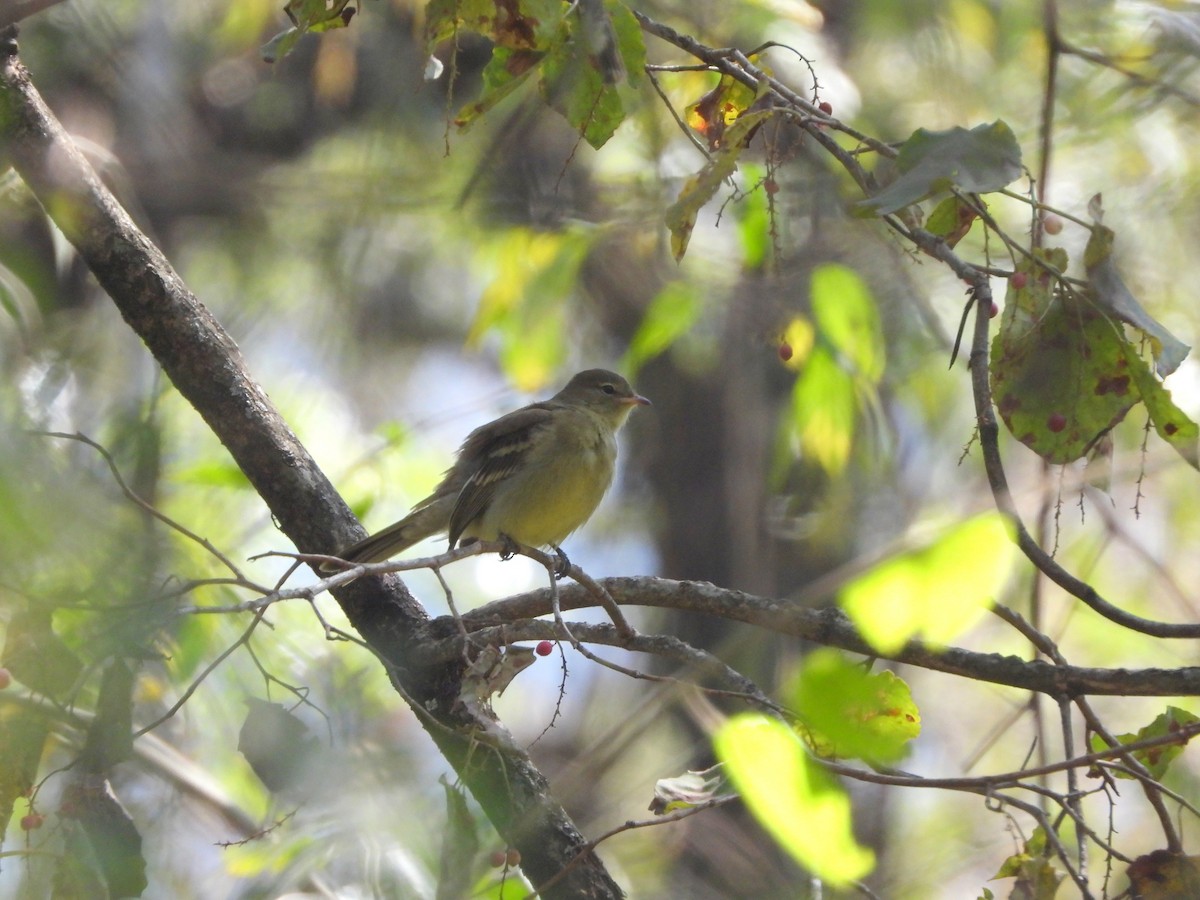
(556, 491)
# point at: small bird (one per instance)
(532, 476)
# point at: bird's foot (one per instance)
(563, 564)
(510, 547)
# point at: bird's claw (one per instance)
(563, 564)
(510, 547)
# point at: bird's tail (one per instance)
(427, 519)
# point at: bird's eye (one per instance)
(608, 389)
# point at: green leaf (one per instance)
(459, 846)
(670, 315)
(37, 656)
(278, 745)
(535, 273)
(1037, 877)
(513, 25)
(852, 713)
(792, 797)
(700, 188)
(572, 84)
(446, 19)
(754, 221)
(713, 113)
(1171, 423)
(1063, 373)
(505, 72)
(824, 410)
(110, 733)
(1156, 759)
(1114, 298)
(630, 43)
(216, 473)
(936, 591)
(306, 15)
(840, 373)
(985, 158)
(23, 734)
(102, 846)
(951, 219)
(1060, 372)
(281, 45)
(847, 318)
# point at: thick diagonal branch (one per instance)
(206, 367)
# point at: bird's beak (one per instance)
(637, 400)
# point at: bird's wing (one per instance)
(496, 451)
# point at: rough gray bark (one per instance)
(206, 367)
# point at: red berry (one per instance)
(544, 648)
(5, 678)
(1018, 280)
(994, 310)
(32, 821)
(785, 351)
(1052, 224)
(514, 857)
(497, 858)
(771, 186)
(826, 107)
(1057, 422)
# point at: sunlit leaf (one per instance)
(1170, 422)
(838, 375)
(792, 797)
(935, 592)
(985, 158)
(219, 473)
(823, 410)
(951, 219)
(1037, 876)
(23, 733)
(713, 113)
(700, 188)
(847, 318)
(669, 316)
(852, 713)
(1156, 759)
(754, 221)
(193, 638)
(525, 303)
(800, 336)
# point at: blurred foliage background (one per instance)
(394, 283)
